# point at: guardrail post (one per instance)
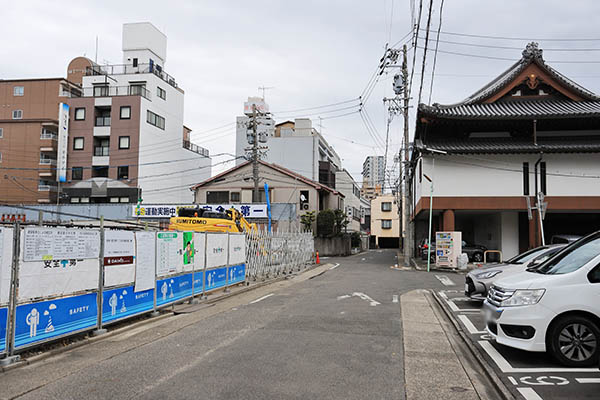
(12, 308)
(155, 312)
(227, 264)
(99, 330)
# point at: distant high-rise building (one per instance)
(373, 176)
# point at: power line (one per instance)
(317, 107)
(520, 38)
(490, 46)
(437, 42)
(425, 50)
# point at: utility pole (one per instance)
(404, 181)
(255, 194)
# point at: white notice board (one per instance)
(145, 261)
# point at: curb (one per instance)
(476, 353)
(93, 339)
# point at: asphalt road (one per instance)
(335, 336)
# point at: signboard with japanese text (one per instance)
(145, 257)
(119, 257)
(237, 274)
(173, 288)
(216, 249)
(43, 244)
(50, 319)
(168, 211)
(125, 302)
(169, 253)
(216, 278)
(3, 324)
(6, 247)
(237, 248)
(63, 142)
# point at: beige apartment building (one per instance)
(29, 111)
(385, 224)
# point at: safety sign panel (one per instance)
(53, 318)
(237, 274)
(216, 278)
(124, 302)
(198, 278)
(173, 288)
(3, 323)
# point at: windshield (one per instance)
(574, 256)
(527, 256)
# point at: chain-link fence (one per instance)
(269, 254)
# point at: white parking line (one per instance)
(512, 380)
(261, 298)
(395, 298)
(445, 280)
(529, 394)
(505, 366)
(443, 295)
(469, 325)
(335, 266)
(588, 380)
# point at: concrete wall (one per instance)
(510, 234)
(335, 246)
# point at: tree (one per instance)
(340, 222)
(307, 220)
(326, 223)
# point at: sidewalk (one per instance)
(434, 365)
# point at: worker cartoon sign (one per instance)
(188, 248)
(44, 320)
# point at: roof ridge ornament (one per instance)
(532, 50)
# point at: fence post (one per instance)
(194, 300)
(227, 265)
(204, 269)
(12, 308)
(155, 312)
(99, 330)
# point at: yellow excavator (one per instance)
(200, 220)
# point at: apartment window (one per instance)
(17, 114)
(99, 172)
(386, 224)
(85, 200)
(102, 117)
(0, 156)
(525, 179)
(216, 197)
(156, 120)
(18, 90)
(162, 93)
(114, 200)
(124, 199)
(137, 90)
(543, 177)
(77, 173)
(135, 62)
(123, 142)
(125, 112)
(386, 206)
(78, 143)
(123, 172)
(74, 199)
(79, 114)
(101, 91)
(1, 132)
(101, 147)
(235, 197)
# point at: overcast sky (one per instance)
(313, 53)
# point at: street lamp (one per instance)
(432, 151)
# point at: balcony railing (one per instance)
(46, 134)
(46, 187)
(122, 69)
(100, 151)
(111, 91)
(102, 121)
(47, 161)
(195, 148)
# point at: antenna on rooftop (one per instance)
(264, 88)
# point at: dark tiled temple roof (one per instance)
(576, 144)
(526, 109)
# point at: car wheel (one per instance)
(574, 341)
(477, 257)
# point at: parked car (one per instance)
(474, 251)
(564, 239)
(478, 281)
(553, 307)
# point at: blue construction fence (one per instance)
(57, 282)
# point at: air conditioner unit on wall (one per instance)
(304, 206)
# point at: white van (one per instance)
(553, 307)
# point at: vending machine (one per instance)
(448, 246)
